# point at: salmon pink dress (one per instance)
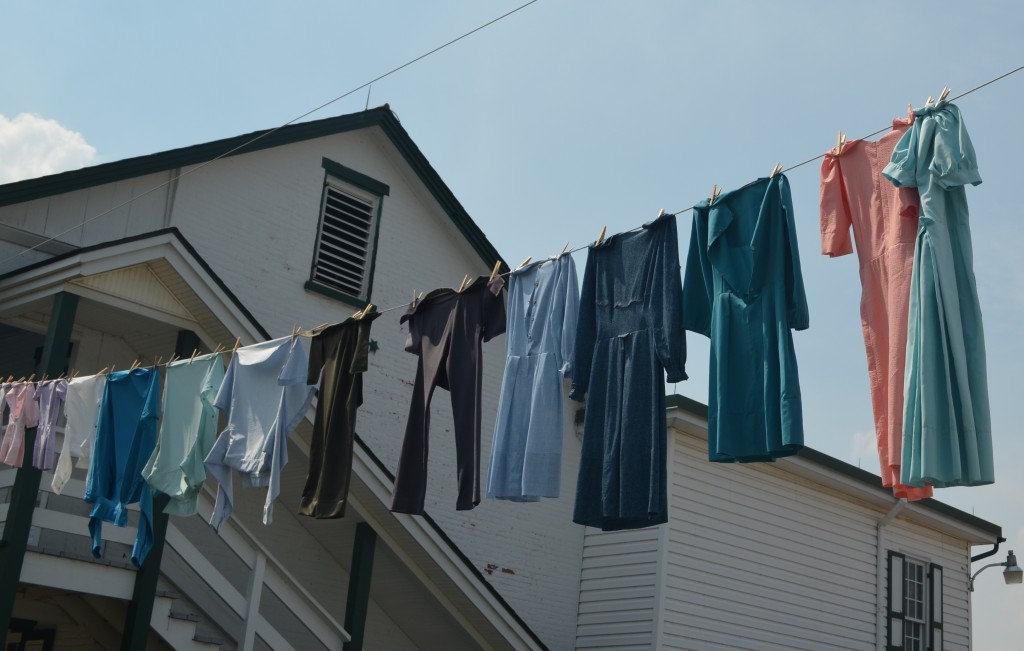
(884, 220)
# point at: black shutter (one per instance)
(894, 602)
(935, 607)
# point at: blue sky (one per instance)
(572, 115)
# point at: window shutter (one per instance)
(935, 607)
(345, 241)
(894, 599)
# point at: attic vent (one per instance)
(345, 243)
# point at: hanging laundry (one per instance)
(338, 357)
(187, 432)
(446, 329)
(50, 395)
(264, 396)
(21, 399)
(744, 289)
(947, 430)
(628, 334)
(81, 411)
(125, 437)
(526, 454)
(854, 194)
(4, 386)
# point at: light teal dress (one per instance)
(947, 433)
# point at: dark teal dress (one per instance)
(743, 288)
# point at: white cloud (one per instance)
(32, 146)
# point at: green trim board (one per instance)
(381, 117)
(331, 292)
(357, 605)
(357, 179)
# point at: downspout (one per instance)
(880, 572)
(991, 552)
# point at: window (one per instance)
(346, 240)
(914, 598)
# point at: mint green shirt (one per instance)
(187, 432)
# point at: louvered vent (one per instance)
(346, 235)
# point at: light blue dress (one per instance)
(526, 455)
(744, 289)
(187, 432)
(947, 432)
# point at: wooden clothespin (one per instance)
(661, 213)
(74, 374)
(238, 340)
(465, 279)
(194, 351)
(565, 248)
(943, 95)
(840, 141)
(219, 348)
(44, 378)
(910, 109)
(31, 377)
(776, 170)
(295, 331)
(135, 365)
(9, 378)
(174, 356)
(494, 271)
(715, 191)
(600, 238)
(159, 358)
(103, 371)
(524, 262)
(21, 379)
(929, 100)
(363, 312)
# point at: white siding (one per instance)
(617, 590)
(760, 559)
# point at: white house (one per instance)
(137, 259)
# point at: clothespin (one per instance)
(21, 379)
(910, 109)
(295, 331)
(103, 371)
(31, 377)
(363, 312)
(840, 141)
(61, 376)
(715, 191)
(524, 262)
(465, 279)
(159, 358)
(135, 365)
(174, 356)
(565, 248)
(9, 378)
(776, 170)
(219, 348)
(943, 95)
(661, 213)
(43, 379)
(600, 238)
(238, 340)
(494, 271)
(194, 351)
(929, 100)
(74, 374)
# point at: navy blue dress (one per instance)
(629, 333)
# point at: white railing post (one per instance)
(252, 598)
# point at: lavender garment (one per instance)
(50, 395)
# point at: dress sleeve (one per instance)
(835, 210)
(902, 166)
(953, 161)
(495, 319)
(697, 282)
(667, 293)
(798, 315)
(586, 333)
(569, 314)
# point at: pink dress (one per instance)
(21, 398)
(884, 220)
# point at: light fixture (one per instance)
(1012, 573)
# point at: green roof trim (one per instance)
(381, 117)
(699, 409)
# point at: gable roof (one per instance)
(382, 117)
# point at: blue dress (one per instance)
(526, 456)
(125, 439)
(744, 290)
(947, 430)
(628, 334)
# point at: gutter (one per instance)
(991, 552)
(880, 611)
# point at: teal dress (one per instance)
(947, 432)
(744, 289)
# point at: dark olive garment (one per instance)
(446, 330)
(341, 351)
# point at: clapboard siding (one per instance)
(617, 590)
(758, 558)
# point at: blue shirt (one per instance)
(265, 396)
(125, 438)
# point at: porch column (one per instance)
(140, 610)
(359, 586)
(26, 483)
